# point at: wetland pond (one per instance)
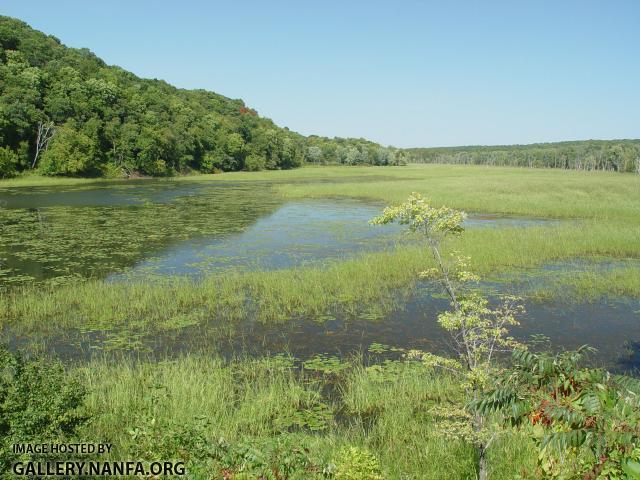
(146, 229)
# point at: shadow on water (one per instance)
(629, 360)
(100, 194)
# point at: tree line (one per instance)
(608, 155)
(63, 111)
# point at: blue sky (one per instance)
(404, 73)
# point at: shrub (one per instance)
(254, 163)
(356, 464)
(39, 403)
(584, 421)
(279, 457)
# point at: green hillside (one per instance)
(63, 111)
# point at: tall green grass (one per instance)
(251, 401)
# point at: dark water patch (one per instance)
(410, 321)
(102, 194)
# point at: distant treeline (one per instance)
(611, 155)
(63, 111)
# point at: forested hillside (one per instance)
(63, 111)
(615, 155)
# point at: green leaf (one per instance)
(631, 468)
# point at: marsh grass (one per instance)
(252, 401)
(532, 192)
(591, 285)
(379, 280)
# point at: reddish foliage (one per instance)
(248, 111)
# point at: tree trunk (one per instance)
(482, 465)
(45, 133)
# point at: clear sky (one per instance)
(405, 73)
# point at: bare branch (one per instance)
(45, 134)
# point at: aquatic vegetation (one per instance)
(67, 243)
(591, 285)
(75, 244)
(246, 401)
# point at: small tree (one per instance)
(478, 331)
(314, 155)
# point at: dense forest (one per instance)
(613, 155)
(63, 111)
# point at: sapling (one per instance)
(478, 331)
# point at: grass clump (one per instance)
(591, 285)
